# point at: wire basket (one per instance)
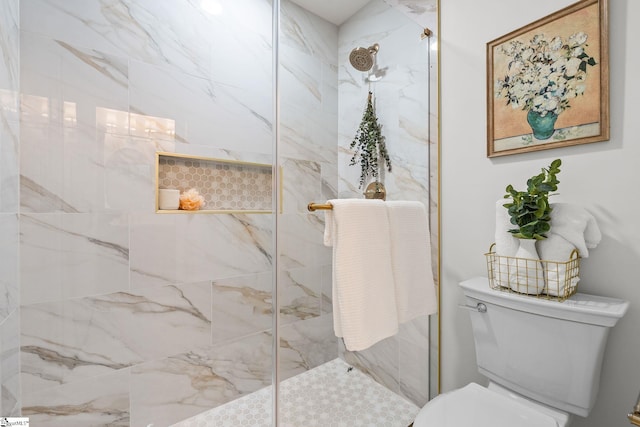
(552, 280)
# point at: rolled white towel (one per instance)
(575, 225)
(557, 249)
(506, 244)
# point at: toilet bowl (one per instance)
(474, 405)
(543, 360)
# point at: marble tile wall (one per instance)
(127, 317)
(9, 208)
(308, 151)
(131, 318)
(403, 103)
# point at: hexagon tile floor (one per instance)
(331, 395)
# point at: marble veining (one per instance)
(327, 288)
(114, 248)
(102, 400)
(10, 392)
(242, 306)
(192, 372)
(9, 285)
(215, 246)
(331, 394)
(131, 318)
(9, 165)
(115, 71)
(306, 344)
(308, 86)
(153, 264)
(208, 247)
(305, 187)
(75, 255)
(128, 162)
(300, 294)
(424, 12)
(205, 112)
(41, 179)
(306, 33)
(65, 87)
(168, 390)
(69, 341)
(9, 50)
(36, 197)
(380, 362)
(137, 29)
(301, 240)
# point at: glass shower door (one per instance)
(322, 98)
(126, 314)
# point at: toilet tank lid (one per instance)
(476, 405)
(580, 307)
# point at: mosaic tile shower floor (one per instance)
(331, 395)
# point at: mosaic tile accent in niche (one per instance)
(224, 185)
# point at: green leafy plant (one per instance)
(529, 210)
(369, 145)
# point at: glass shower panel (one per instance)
(9, 209)
(116, 314)
(322, 100)
(128, 316)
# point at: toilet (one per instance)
(542, 359)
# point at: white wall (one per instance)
(603, 177)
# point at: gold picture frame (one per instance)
(548, 82)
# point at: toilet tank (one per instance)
(546, 350)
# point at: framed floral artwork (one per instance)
(548, 82)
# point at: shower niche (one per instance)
(227, 186)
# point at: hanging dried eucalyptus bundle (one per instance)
(369, 144)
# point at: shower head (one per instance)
(362, 58)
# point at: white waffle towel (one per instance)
(411, 260)
(364, 302)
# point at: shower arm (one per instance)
(634, 417)
(426, 33)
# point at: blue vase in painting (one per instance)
(542, 126)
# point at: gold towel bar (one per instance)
(319, 206)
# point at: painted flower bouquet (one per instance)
(543, 75)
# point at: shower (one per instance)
(189, 313)
(363, 58)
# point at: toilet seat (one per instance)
(478, 406)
